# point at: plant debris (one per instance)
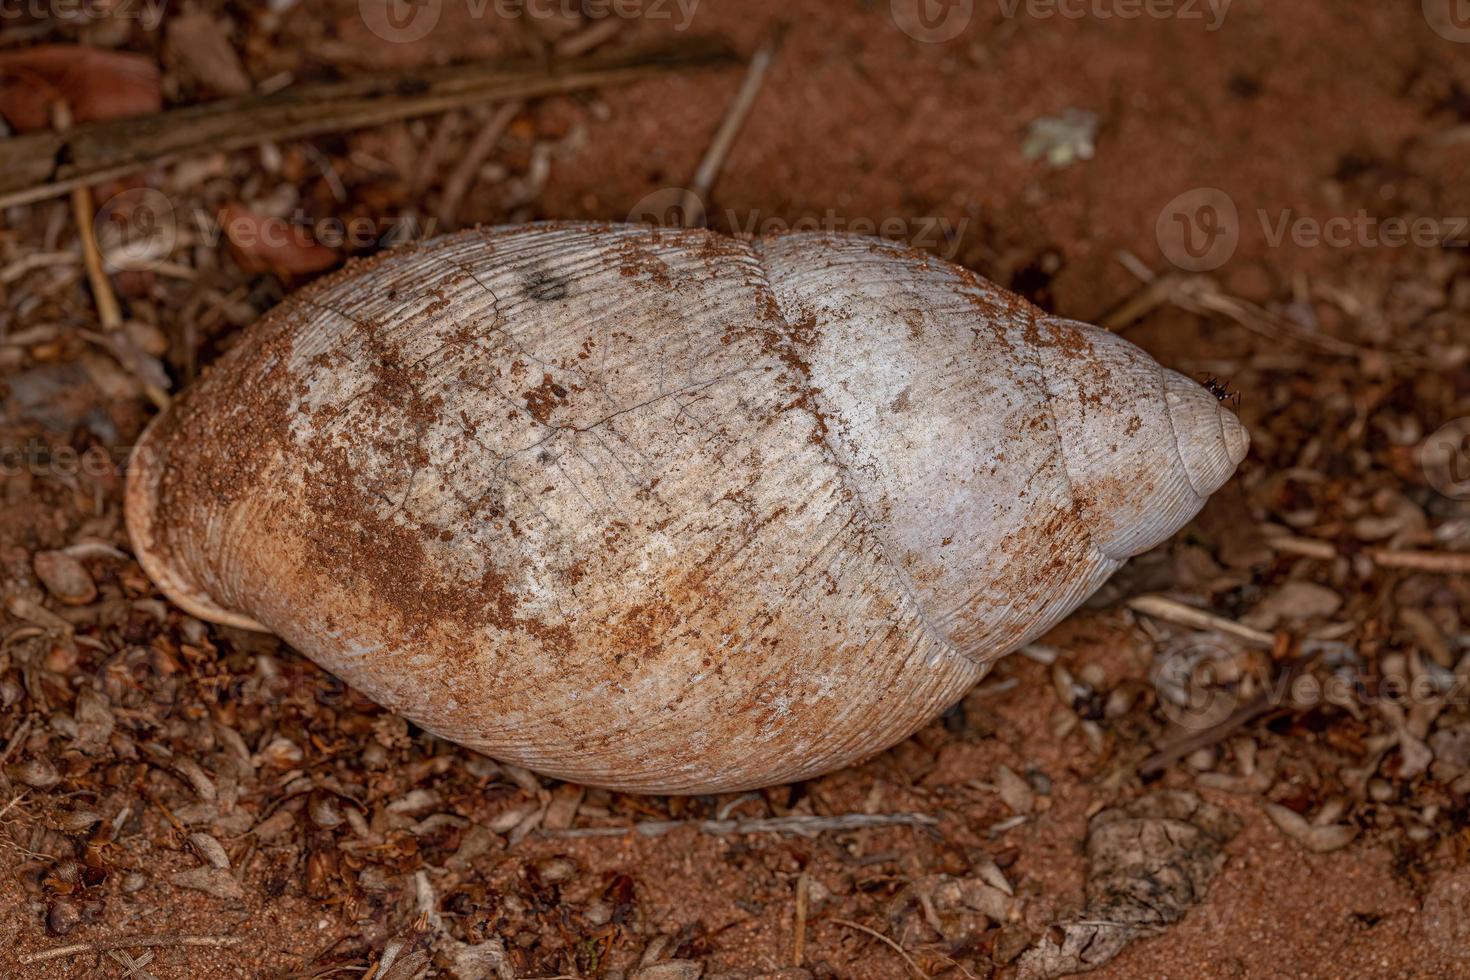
(201, 801)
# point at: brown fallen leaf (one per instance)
(261, 243)
(96, 85)
(1149, 862)
(199, 45)
(210, 880)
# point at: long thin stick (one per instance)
(1443, 562)
(798, 926)
(103, 945)
(463, 176)
(882, 938)
(84, 212)
(1172, 753)
(800, 826)
(44, 164)
(719, 148)
(1171, 611)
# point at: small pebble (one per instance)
(62, 916)
(76, 821)
(323, 809)
(1202, 760)
(374, 756)
(36, 773)
(281, 753)
(1014, 791)
(210, 850)
(555, 870)
(64, 577)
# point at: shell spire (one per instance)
(1144, 446)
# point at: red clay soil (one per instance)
(1348, 354)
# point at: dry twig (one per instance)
(884, 939)
(1438, 562)
(692, 207)
(799, 826)
(798, 927)
(1172, 611)
(462, 177)
(136, 942)
(39, 165)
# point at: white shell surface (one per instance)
(665, 511)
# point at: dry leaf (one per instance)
(670, 970)
(484, 961)
(1014, 791)
(1149, 863)
(1294, 602)
(95, 84)
(261, 243)
(210, 880)
(199, 44)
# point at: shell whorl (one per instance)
(1144, 447)
(665, 511)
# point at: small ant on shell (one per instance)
(1222, 391)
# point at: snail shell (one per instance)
(664, 510)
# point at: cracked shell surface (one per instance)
(666, 511)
